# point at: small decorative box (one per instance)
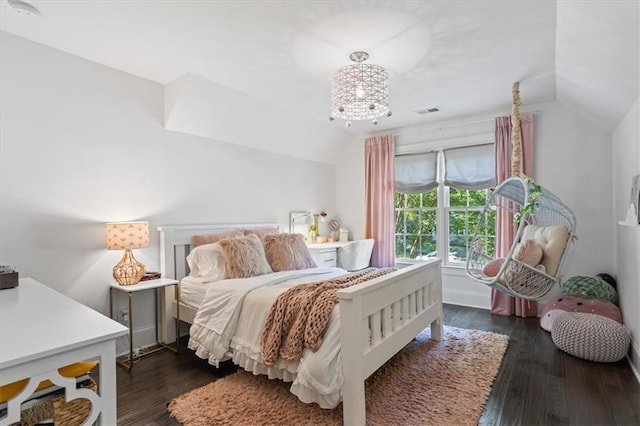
(8, 277)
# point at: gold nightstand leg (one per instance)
(128, 364)
(111, 302)
(177, 318)
(162, 345)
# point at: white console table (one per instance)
(42, 330)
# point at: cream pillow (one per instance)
(244, 257)
(287, 252)
(207, 263)
(552, 239)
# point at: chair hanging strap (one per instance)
(516, 143)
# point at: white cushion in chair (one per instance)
(552, 240)
(356, 255)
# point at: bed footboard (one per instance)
(378, 318)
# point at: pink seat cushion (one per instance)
(492, 268)
(528, 252)
(560, 305)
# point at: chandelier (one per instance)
(360, 91)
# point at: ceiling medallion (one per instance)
(360, 91)
(23, 8)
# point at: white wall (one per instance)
(626, 164)
(200, 107)
(350, 195)
(572, 160)
(572, 157)
(83, 144)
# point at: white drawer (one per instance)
(324, 258)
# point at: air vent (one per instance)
(428, 110)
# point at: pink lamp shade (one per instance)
(126, 236)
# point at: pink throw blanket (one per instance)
(299, 316)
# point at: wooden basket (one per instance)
(62, 412)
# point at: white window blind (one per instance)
(416, 173)
(471, 167)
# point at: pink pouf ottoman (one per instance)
(562, 304)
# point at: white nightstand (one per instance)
(143, 286)
(325, 254)
(349, 255)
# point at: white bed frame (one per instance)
(378, 317)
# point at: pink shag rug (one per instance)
(438, 383)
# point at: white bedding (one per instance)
(192, 291)
(230, 323)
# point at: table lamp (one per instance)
(126, 236)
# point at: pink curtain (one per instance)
(379, 187)
(501, 303)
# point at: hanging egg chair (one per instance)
(545, 225)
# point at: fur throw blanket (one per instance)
(299, 316)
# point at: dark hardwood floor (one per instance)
(537, 383)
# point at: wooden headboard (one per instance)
(176, 243)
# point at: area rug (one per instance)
(426, 383)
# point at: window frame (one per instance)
(443, 210)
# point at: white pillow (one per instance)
(207, 263)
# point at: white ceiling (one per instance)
(461, 56)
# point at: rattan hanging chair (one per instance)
(536, 211)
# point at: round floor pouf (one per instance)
(591, 337)
(567, 303)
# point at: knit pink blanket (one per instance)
(299, 316)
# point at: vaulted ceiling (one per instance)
(459, 56)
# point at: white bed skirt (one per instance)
(301, 388)
(304, 386)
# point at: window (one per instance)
(443, 218)
(416, 224)
(464, 211)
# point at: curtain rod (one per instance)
(424, 129)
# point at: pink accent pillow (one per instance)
(287, 252)
(244, 257)
(261, 232)
(529, 253)
(199, 240)
(567, 303)
(492, 268)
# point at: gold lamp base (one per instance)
(128, 271)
